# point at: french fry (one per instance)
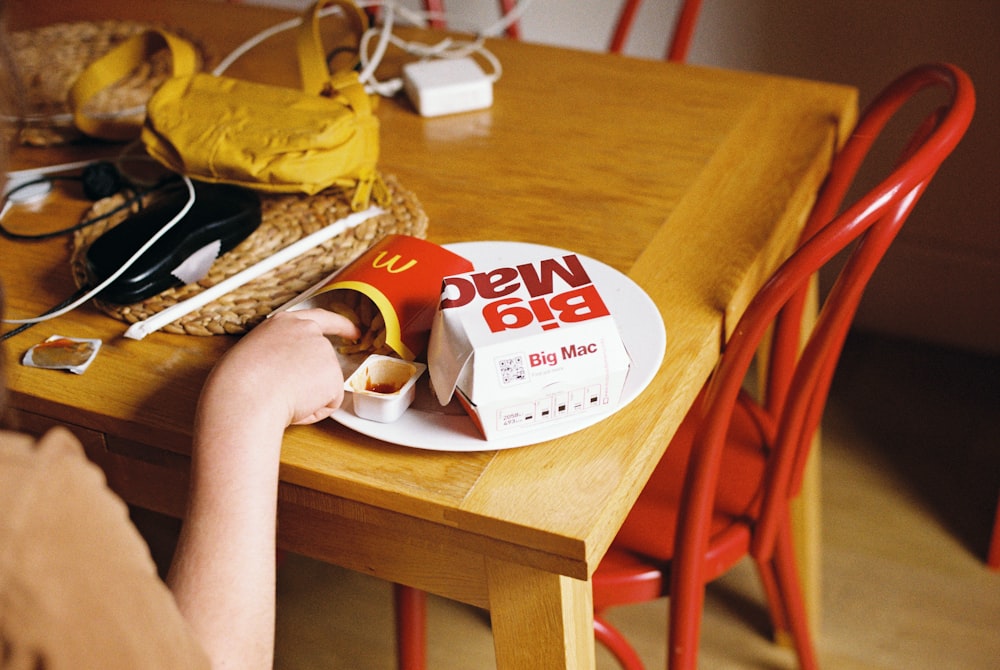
(378, 325)
(362, 312)
(346, 312)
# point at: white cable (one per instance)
(17, 177)
(140, 329)
(513, 16)
(17, 180)
(368, 70)
(447, 48)
(409, 15)
(249, 44)
(120, 271)
(368, 66)
(268, 33)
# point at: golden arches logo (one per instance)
(390, 265)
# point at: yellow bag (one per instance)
(269, 138)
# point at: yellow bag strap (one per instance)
(114, 66)
(313, 68)
(124, 58)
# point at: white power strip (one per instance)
(447, 86)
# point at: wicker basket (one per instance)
(286, 218)
(51, 58)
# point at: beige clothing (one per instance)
(78, 587)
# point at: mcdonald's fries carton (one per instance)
(525, 345)
(390, 291)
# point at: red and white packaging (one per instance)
(402, 275)
(524, 345)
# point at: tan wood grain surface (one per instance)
(693, 181)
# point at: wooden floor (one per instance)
(910, 477)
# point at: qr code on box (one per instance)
(512, 369)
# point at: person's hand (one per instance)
(285, 365)
(284, 371)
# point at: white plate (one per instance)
(427, 425)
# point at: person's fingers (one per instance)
(330, 323)
(320, 414)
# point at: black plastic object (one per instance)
(220, 212)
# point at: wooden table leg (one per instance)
(805, 510)
(806, 528)
(540, 620)
(806, 517)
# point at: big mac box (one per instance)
(390, 291)
(526, 344)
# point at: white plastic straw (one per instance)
(141, 329)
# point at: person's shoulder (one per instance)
(27, 462)
(56, 443)
(13, 443)
(59, 440)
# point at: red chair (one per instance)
(514, 29)
(993, 558)
(411, 603)
(437, 20)
(677, 48)
(723, 488)
(680, 41)
(436, 8)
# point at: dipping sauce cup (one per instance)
(383, 387)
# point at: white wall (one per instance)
(941, 280)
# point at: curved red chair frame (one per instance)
(677, 47)
(437, 20)
(680, 40)
(436, 8)
(410, 603)
(723, 488)
(993, 558)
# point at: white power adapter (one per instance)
(447, 86)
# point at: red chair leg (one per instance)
(437, 7)
(684, 25)
(687, 599)
(624, 25)
(776, 607)
(411, 628)
(790, 592)
(514, 29)
(993, 558)
(616, 643)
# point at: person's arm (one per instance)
(283, 372)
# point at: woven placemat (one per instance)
(49, 60)
(285, 219)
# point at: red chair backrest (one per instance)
(514, 29)
(436, 8)
(677, 47)
(437, 19)
(798, 383)
(680, 40)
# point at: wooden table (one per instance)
(692, 181)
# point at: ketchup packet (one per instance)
(62, 353)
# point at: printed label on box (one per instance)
(526, 344)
